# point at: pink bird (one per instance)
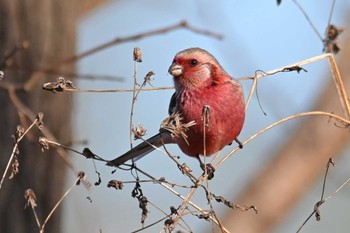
(199, 81)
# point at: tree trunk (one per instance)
(49, 28)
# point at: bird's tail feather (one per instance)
(142, 149)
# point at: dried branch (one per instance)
(119, 40)
(80, 177)
(60, 85)
(19, 136)
(184, 205)
(295, 116)
(44, 143)
(206, 121)
(344, 100)
(8, 57)
(189, 202)
(76, 76)
(174, 125)
(117, 184)
(137, 54)
(308, 19)
(22, 108)
(316, 210)
(70, 89)
(242, 208)
(29, 195)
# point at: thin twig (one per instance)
(69, 74)
(95, 157)
(330, 161)
(117, 90)
(58, 203)
(318, 204)
(286, 68)
(131, 124)
(331, 13)
(185, 199)
(158, 221)
(150, 225)
(162, 180)
(12, 53)
(15, 149)
(205, 117)
(21, 107)
(30, 196)
(312, 113)
(183, 24)
(206, 124)
(212, 211)
(308, 19)
(344, 100)
(336, 191)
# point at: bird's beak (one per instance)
(175, 70)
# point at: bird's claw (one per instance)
(240, 144)
(208, 169)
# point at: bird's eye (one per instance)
(193, 62)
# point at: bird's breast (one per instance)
(225, 118)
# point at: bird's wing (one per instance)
(172, 104)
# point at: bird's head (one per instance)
(194, 68)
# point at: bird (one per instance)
(200, 84)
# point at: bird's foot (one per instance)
(207, 168)
(240, 144)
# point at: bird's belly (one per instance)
(220, 131)
(215, 139)
(225, 119)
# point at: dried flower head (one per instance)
(29, 195)
(330, 42)
(169, 222)
(81, 176)
(44, 144)
(173, 210)
(173, 124)
(148, 77)
(139, 131)
(15, 168)
(115, 184)
(137, 54)
(39, 118)
(206, 115)
(19, 132)
(143, 201)
(88, 153)
(185, 169)
(60, 85)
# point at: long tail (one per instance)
(142, 149)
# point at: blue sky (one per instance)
(258, 35)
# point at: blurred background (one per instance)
(280, 172)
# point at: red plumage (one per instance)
(199, 80)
